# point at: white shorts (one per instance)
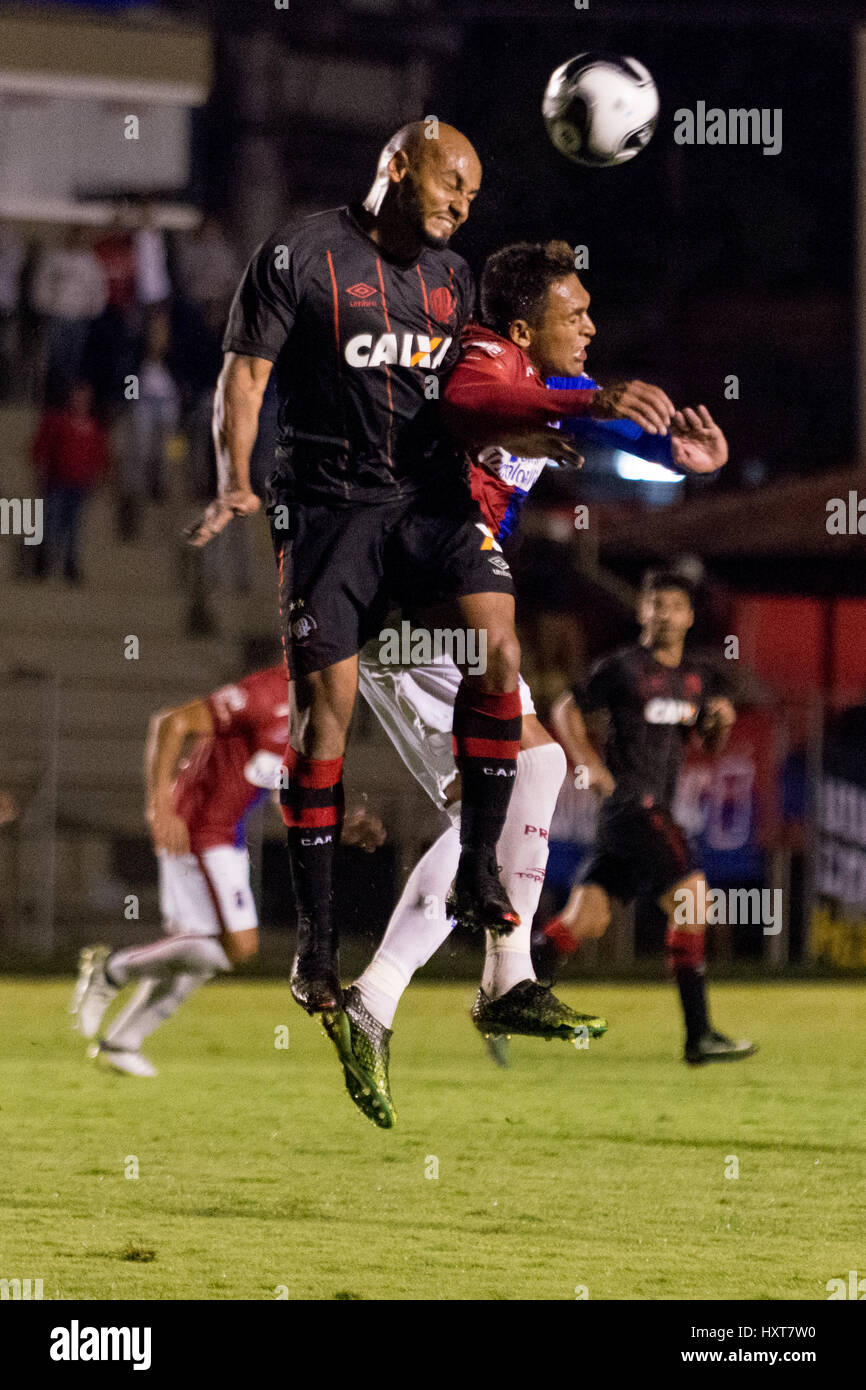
(206, 894)
(415, 706)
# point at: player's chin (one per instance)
(435, 242)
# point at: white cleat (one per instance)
(92, 994)
(131, 1063)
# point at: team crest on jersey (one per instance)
(303, 624)
(442, 304)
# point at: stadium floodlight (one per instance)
(638, 470)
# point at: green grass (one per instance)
(603, 1168)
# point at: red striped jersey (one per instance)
(227, 775)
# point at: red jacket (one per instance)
(495, 384)
(70, 449)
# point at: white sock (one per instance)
(417, 928)
(170, 956)
(522, 856)
(152, 1003)
(418, 924)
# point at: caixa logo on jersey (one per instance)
(396, 350)
(667, 711)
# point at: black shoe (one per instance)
(715, 1047)
(477, 898)
(533, 1010)
(315, 981)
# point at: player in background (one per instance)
(361, 309)
(197, 799)
(208, 764)
(657, 698)
(537, 325)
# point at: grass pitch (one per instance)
(602, 1169)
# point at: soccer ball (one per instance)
(600, 109)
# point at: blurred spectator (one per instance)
(152, 283)
(207, 270)
(70, 457)
(116, 252)
(151, 421)
(11, 264)
(69, 290)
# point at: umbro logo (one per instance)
(360, 291)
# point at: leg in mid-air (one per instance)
(420, 922)
(486, 731)
(209, 915)
(313, 809)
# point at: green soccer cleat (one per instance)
(362, 1044)
(715, 1047)
(534, 1010)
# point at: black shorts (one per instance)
(343, 566)
(638, 853)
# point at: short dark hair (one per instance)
(516, 280)
(669, 579)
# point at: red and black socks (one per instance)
(312, 807)
(486, 741)
(685, 957)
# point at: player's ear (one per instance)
(398, 166)
(520, 333)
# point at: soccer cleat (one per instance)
(315, 982)
(533, 1010)
(497, 1049)
(715, 1047)
(363, 1046)
(92, 994)
(477, 899)
(120, 1059)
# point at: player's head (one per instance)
(531, 294)
(427, 177)
(666, 608)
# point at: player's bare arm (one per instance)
(697, 443)
(574, 736)
(167, 737)
(237, 404)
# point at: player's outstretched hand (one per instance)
(219, 513)
(697, 443)
(542, 443)
(646, 405)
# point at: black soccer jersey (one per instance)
(653, 709)
(360, 344)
